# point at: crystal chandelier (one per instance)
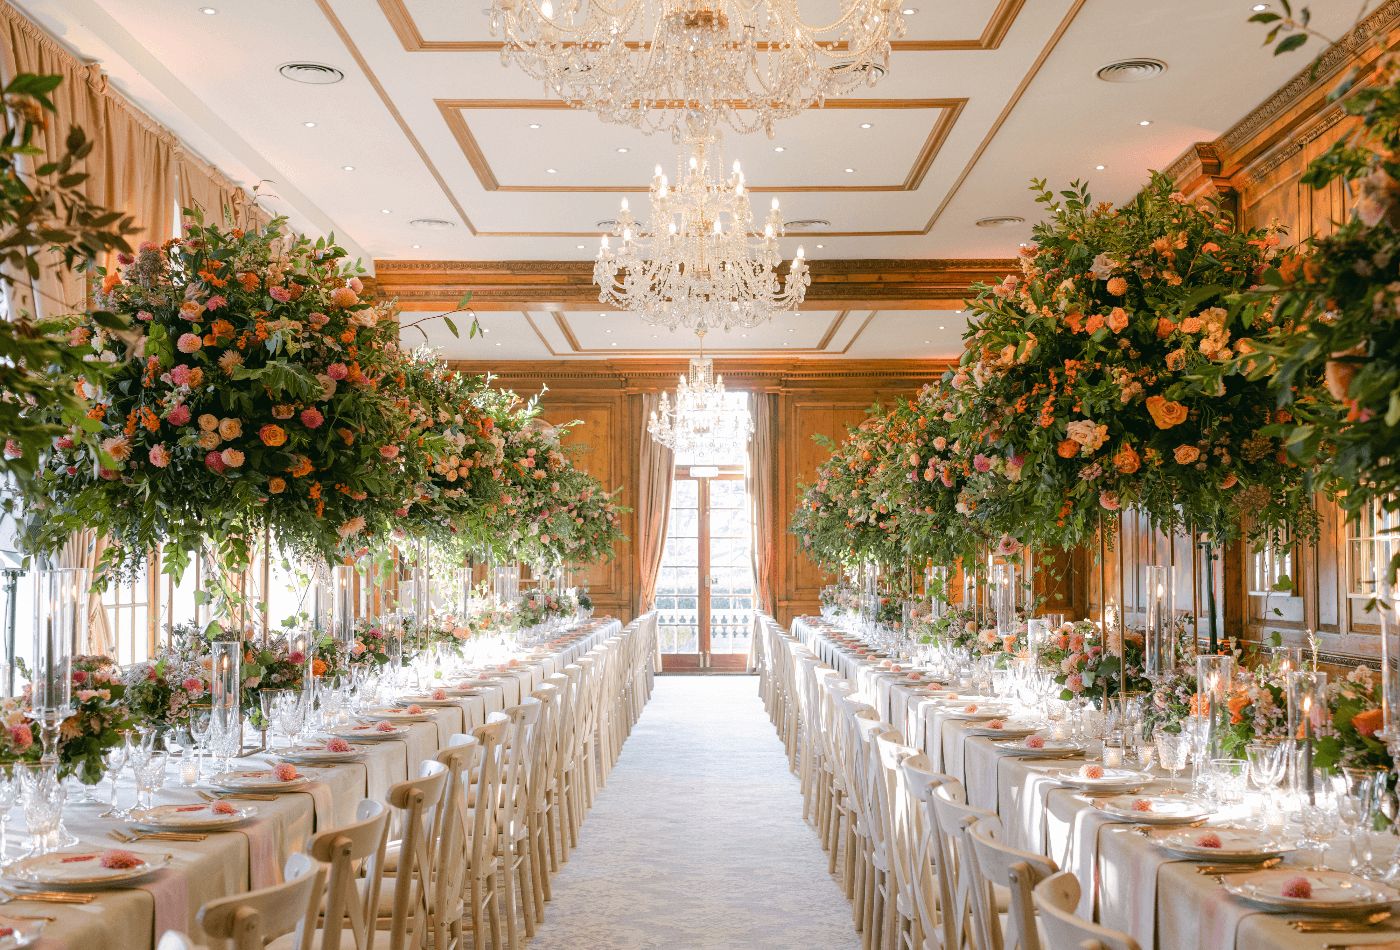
(700, 425)
(661, 65)
(699, 263)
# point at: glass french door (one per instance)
(705, 592)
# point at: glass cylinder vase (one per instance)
(343, 603)
(60, 624)
(1160, 653)
(1307, 710)
(936, 587)
(1214, 675)
(1004, 600)
(225, 701)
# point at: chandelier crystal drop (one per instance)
(699, 424)
(699, 263)
(663, 66)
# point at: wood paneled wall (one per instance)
(815, 397)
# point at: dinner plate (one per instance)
(1009, 728)
(976, 711)
(1113, 779)
(1052, 747)
(257, 780)
(22, 931)
(194, 817)
(393, 714)
(78, 870)
(1236, 844)
(1333, 892)
(315, 754)
(1160, 811)
(447, 700)
(370, 732)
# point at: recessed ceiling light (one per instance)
(928, 341)
(743, 336)
(623, 150)
(792, 329)
(417, 246)
(579, 246)
(309, 125)
(942, 327)
(779, 148)
(208, 11)
(820, 246)
(1000, 221)
(386, 211)
(909, 11)
(1260, 7)
(850, 171)
(347, 168)
(608, 330)
(534, 125)
(552, 171)
(1145, 122)
(866, 125)
(1099, 167)
(614, 343)
(785, 343)
(498, 343)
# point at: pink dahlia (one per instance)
(337, 371)
(178, 415)
(215, 461)
(312, 418)
(189, 343)
(279, 294)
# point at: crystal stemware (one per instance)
(9, 796)
(1173, 748)
(1266, 764)
(1317, 813)
(150, 778)
(1356, 810)
(113, 764)
(43, 799)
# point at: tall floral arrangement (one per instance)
(935, 470)
(1103, 375)
(252, 396)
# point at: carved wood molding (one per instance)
(941, 284)
(1296, 114)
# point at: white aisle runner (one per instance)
(697, 842)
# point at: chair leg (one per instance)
(494, 909)
(523, 874)
(508, 889)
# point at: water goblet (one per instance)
(201, 718)
(1317, 813)
(113, 764)
(1172, 750)
(1356, 811)
(43, 799)
(9, 796)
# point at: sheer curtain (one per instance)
(762, 466)
(656, 467)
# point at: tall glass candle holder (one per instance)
(1214, 675)
(1003, 590)
(60, 623)
(343, 602)
(1307, 709)
(225, 680)
(1160, 653)
(936, 587)
(1037, 636)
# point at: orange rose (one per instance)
(1165, 412)
(1237, 703)
(272, 435)
(1176, 360)
(301, 467)
(1186, 454)
(1127, 460)
(276, 485)
(1117, 320)
(1164, 328)
(318, 667)
(1117, 286)
(1367, 722)
(1067, 449)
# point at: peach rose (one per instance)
(1186, 454)
(1127, 461)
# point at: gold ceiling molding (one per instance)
(1300, 111)
(940, 284)
(454, 114)
(396, 12)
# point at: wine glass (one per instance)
(113, 764)
(201, 719)
(1266, 763)
(1172, 751)
(1356, 810)
(43, 797)
(150, 778)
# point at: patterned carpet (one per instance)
(697, 842)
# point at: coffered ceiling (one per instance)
(981, 95)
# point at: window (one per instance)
(1372, 537)
(1271, 569)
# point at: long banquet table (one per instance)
(252, 855)
(1128, 883)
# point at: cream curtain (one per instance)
(656, 468)
(201, 185)
(139, 167)
(79, 100)
(763, 450)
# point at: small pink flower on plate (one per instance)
(1299, 887)
(414, 709)
(286, 772)
(1092, 772)
(223, 808)
(970, 708)
(386, 726)
(1035, 742)
(439, 694)
(995, 724)
(1209, 840)
(116, 859)
(337, 744)
(1142, 804)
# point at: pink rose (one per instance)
(189, 343)
(356, 284)
(312, 418)
(178, 415)
(159, 455)
(233, 458)
(981, 462)
(193, 684)
(296, 658)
